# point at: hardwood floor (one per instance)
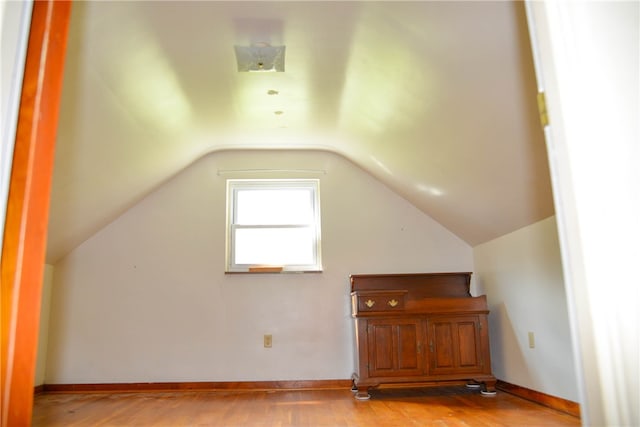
(441, 406)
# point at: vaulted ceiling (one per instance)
(435, 99)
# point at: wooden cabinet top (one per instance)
(417, 285)
(398, 294)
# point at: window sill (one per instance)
(271, 270)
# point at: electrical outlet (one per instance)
(532, 340)
(268, 341)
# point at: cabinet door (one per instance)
(395, 347)
(454, 345)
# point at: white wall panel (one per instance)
(146, 298)
(521, 273)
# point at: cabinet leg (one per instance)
(489, 388)
(362, 393)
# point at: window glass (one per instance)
(273, 223)
(274, 246)
(265, 206)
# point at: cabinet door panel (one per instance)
(395, 347)
(443, 344)
(382, 340)
(468, 344)
(454, 345)
(408, 357)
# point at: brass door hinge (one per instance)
(542, 109)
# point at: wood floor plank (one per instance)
(441, 406)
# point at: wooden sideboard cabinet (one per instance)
(419, 328)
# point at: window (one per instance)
(273, 225)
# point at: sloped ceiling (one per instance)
(435, 99)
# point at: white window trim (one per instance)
(234, 185)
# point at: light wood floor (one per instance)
(442, 406)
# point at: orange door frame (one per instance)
(25, 235)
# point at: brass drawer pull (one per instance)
(369, 303)
(392, 302)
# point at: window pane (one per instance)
(274, 207)
(274, 246)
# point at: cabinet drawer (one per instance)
(376, 301)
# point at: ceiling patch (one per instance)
(260, 57)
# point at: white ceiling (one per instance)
(435, 99)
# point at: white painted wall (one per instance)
(521, 273)
(43, 334)
(15, 18)
(146, 298)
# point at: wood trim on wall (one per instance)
(557, 403)
(197, 386)
(24, 243)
